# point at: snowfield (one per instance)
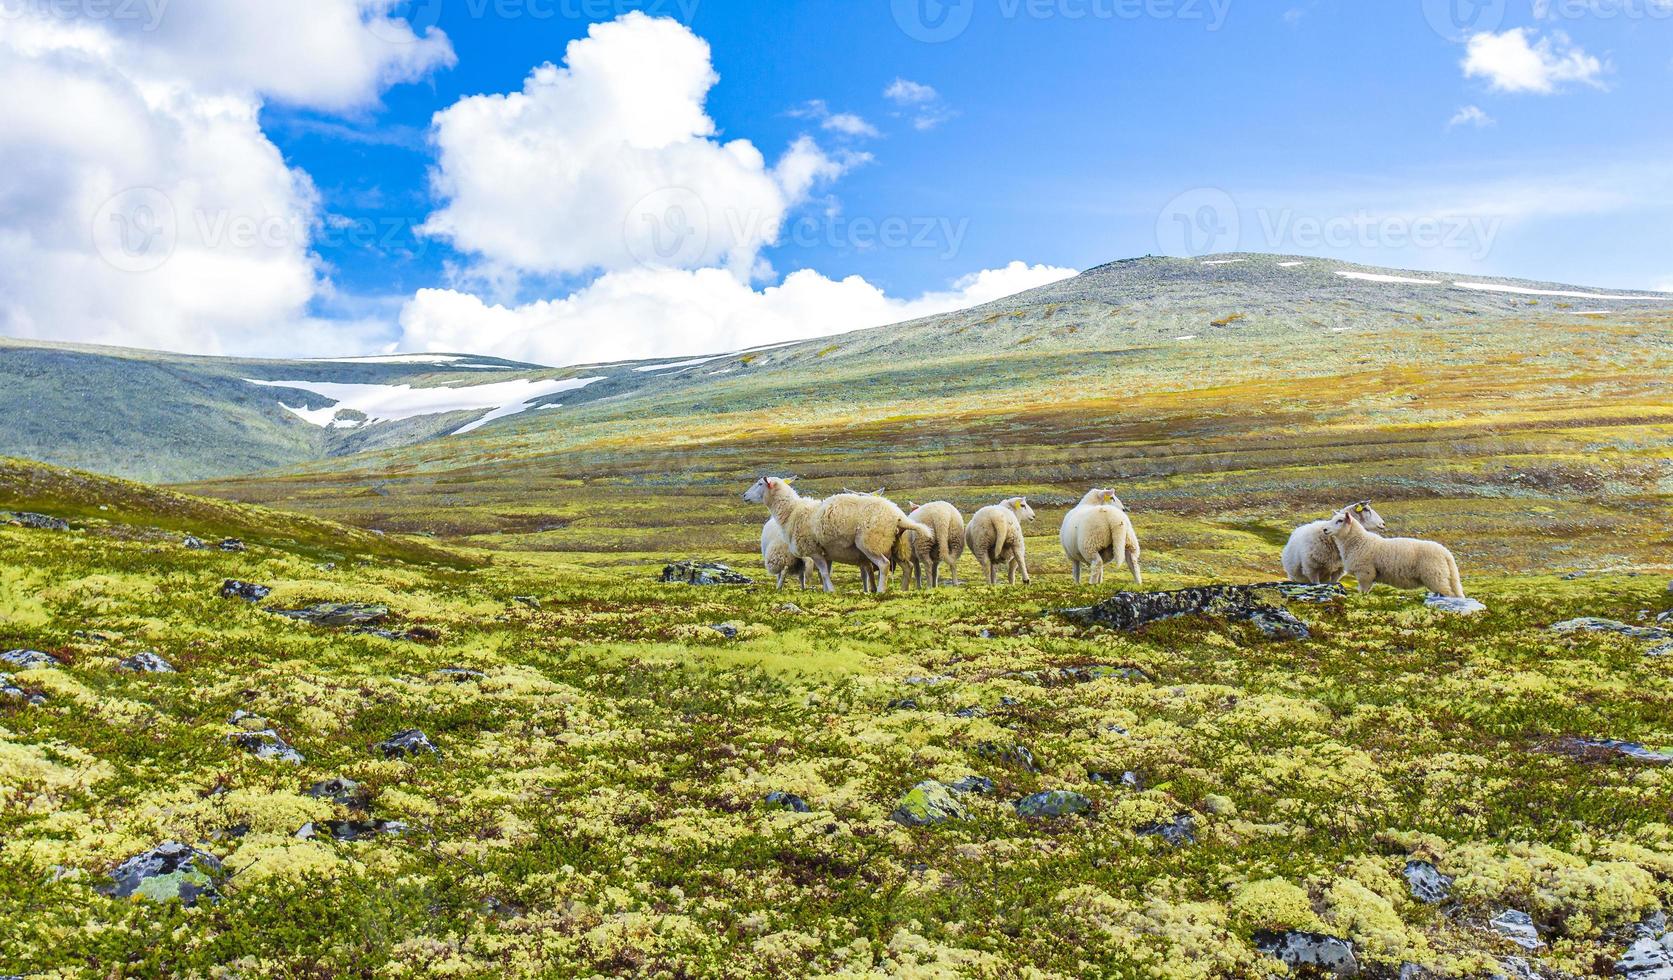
(392, 403)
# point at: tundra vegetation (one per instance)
(632, 778)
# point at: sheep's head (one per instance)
(1102, 498)
(1341, 522)
(1020, 506)
(1367, 516)
(765, 487)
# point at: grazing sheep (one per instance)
(1311, 557)
(995, 538)
(777, 556)
(1404, 563)
(848, 529)
(1098, 531)
(912, 552)
(948, 546)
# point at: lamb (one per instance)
(1404, 563)
(1097, 531)
(1312, 558)
(948, 545)
(777, 556)
(995, 538)
(849, 528)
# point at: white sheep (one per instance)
(849, 528)
(995, 538)
(1404, 563)
(1311, 557)
(777, 556)
(1098, 531)
(948, 545)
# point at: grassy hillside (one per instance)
(598, 804)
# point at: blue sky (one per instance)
(938, 140)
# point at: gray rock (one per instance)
(1454, 604)
(1252, 603)
(727, 630)
(337, 614)
(526, 600)
(410, 742)
(1666, 618)
(232, 544)
(902, 704)
(787, 801)
(927, 804)
(266, 744)
(1428, 884)
(1592, 748)
(1015, 755)
(971, 712)
(1180, 831)
(167, 872)
(460, 675)
(1646, 959)
(192, 543)
(39, 522)
(30, 659)
(1592, 624)
(703, 573)
(248, 591)
(1517, 968)
(1054, 803)
(1309, 951)
(341, 791)
(146, 662)
(9, 689)
(1518, 927)
(933, 681)
(1128, 779)
(980, 785)
(352, 830)
(414, 634)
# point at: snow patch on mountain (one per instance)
(390, 403)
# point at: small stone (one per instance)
(728, 630)
(903, 704)
(789, 608)
(341, 791)
(337, 614)
(1304, 950)
(971, 712)
(1646, 959)
(1457, 605)
(9, 689)
(1591, 748)
(231, 544)
(980, 785)
(787, 801)
(1180, 831)
(1127, 780)
(166, 872)
(146, 662)
(40, 522)
(1593, 624)
(933, 681)
(926, 804)
(30, 659)
(1053, 803)
(248, 591)
(406, 743)
(526, 600)
(1518, 927)
(460, 675)
(1427, 884)
(266, 744)
(193, 544)
(703, 573)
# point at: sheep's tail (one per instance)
(1457, 579)
(917, 527)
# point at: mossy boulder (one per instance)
(928, 803)
(168, 872)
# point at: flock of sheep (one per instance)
(869, 530)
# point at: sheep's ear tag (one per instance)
(1359, 508)
(789, 479)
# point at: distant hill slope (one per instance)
(168, 417)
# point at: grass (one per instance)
(598, 804)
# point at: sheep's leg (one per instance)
(1133, 563)
(987, 568)
(782, 572)
(824, 567)
(1022, 562)
(1076, 563)
(1367, 580)
(880, 565)
(1096, 575)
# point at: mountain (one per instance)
(176, 418)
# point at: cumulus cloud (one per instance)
(610, 162)
(1471, 115)
(1518, 60)
(143, 205)
(645, 313)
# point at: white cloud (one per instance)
(142, 203)
(1471, 115)
(610, 162)
(1520, 61)
(921, 102)
(649, 313)
(843, 123)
